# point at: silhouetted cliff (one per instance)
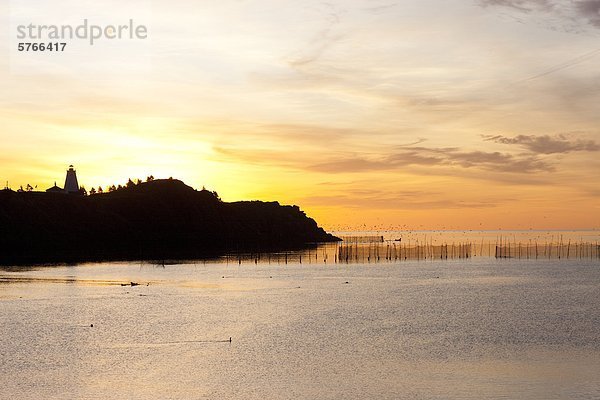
(158, 219)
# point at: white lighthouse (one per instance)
(71, 185)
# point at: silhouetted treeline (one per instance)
(157, 219)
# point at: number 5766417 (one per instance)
(34, 46)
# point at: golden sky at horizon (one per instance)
(471, 114)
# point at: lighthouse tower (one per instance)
(71, 185)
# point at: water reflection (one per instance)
(477, 328)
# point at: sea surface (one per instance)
(475, 328)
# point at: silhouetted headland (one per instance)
(161, 219)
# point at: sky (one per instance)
(368, 114)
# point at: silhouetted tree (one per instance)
(82, 191)
(92, 191)
(150, 178)
(100, 189)
(112, 188)
(129, 183)
(138, 181)
(120, 187)
(29, 188)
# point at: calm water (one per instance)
(461, 329)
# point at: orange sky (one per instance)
(366, 113)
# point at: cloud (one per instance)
(568, 12)
(311, 154)
(437, 157)
(365, 195)
(521, 5)
(589, 9)
(321, 41)
(381, 8)
(417, 200)
(546, 144)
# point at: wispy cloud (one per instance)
(442, 159)
(383, 7)
(437, 157)
(521, 5)
(571, 62)
(322, 40)
(546, 144)
(416, 200)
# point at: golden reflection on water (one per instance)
(60, 280)
(228, 283)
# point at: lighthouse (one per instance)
(71, 185)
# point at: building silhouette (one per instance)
(71, 184)
(55, 189)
